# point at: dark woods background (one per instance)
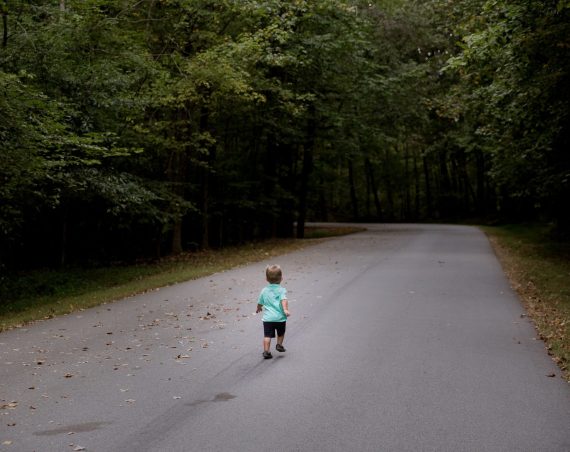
(134, 129)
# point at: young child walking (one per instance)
(273, 301)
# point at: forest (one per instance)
(135, 129)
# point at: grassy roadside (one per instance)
(45, 294)
(539, 270)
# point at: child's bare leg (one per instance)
(266, 344)
(279, 345)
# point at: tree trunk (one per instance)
(417, 201)
(269, 226)
(5, 24)
(427, 181)
(389, 188)
(481, 197)
(323, 212)
(305, 174)
(205, 243)
(374, 188)
(177, 237)
(308, 151)
(176, 170)
(353, 197)
(64, 235)
(445, 186)
(407, 196)
(368, 188)
(148, 16)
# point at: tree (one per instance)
(133, 129)
(515, 76)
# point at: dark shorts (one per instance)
(269, 328)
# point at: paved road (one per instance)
(402, 338)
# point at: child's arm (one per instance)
(285, 305)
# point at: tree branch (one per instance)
(5, 23)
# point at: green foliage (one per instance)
(181, 124)
(514, 75)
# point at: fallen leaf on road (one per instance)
(6, 443)
(10, 405)
(551, 375)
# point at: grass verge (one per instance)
(45, 294)
(539, 270)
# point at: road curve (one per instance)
(402, 338)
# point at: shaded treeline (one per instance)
(137, 129)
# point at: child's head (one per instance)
(273, 274)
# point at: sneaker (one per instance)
(280, 348)
(267, 355)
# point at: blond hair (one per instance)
(273, 274)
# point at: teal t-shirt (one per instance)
(270, 298)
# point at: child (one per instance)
(274, 299)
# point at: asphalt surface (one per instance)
(402, 338)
